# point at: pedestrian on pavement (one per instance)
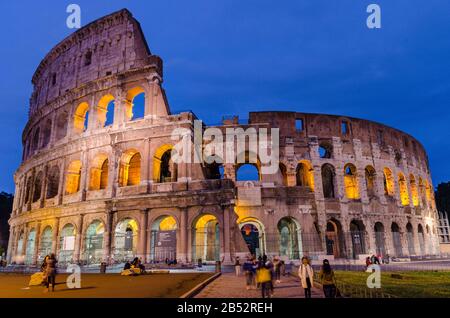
(248, 271)
(277, 267)
(328, 280)
(306, 275)
(368, 262)
(264, 277)
(50, 272)
(237, 266)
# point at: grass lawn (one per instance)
(105, 286)
(411, 284)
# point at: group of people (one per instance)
(377, 259)
(48, 269)
(326, 277)
(135, 263)
(264, 273)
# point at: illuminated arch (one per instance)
(388, 182)
(125, 240)
(328, 181)
(305, 174)
(67, 243)
(248, 170)
(164, 238)
(351, 182)
(206, 241)
(29, 253)
(164, 169)
(414, 190)
(80, 120)
(130, 105)
(290, 238)
(73, 177)
(253, 233)
(46, 242)
(93, 253)
(99, 172)
(105, 110)
(130, 168)
(403, 188)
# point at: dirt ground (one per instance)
(104, 286)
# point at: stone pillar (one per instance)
(107, 237)
(226, 235)
(36, 243)
(79, 239)
(55, 235)
(10, 245)
(84, 175)
(183, 254)
(146, 162)
(43, 187)
(62, 173)
(143, 236)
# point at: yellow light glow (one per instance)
(403, 187)
(351, 182)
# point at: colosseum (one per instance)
(98, 183)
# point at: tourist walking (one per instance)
(50, 273)
(277, 269)
(306, 275)
(249, 270)
(237, 266)
(264, 278)
(328, 280)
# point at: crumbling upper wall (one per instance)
(107, 46)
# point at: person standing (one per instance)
(237, 266)
(328, 280)
(306, 275)
(50, 271)
(248, 271)
(277, 267)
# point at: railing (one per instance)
(352, 291)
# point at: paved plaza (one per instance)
(230, 286)
(105, 286)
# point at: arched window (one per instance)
(422, 192)
(403, 187)
(388, 182)
(428, 192)
(325, 150)
(164, 169)
(37, 187)
(35, 141)
(282, 175)
(99, 173)
(66, 244)
(410, 238)
(46, 133)
(248, 167)
(328, 182)
(414, 191)
(105, 110)
(305, 175)
(213, 171)
(81, 117)
(61, 126)
(73, 177)
(130, 169)
(351, 182)
(53, 182)
(28, 189)
(370, 177)
(135, 106)
(94, 242)
(396, 240)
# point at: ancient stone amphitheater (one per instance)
(97, 181)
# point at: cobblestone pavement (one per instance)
(230, 286)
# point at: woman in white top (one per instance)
(306, 275)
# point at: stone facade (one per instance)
(90, 190)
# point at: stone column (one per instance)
(226, 235)
(44, 187)
(10, 245)
(79, 239)
(62, 173)
(107, 240)
(36, 243)
(84, 174)
(143, 236)
(183, 254)
(55, 235)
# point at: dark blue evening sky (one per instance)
(232, 57)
